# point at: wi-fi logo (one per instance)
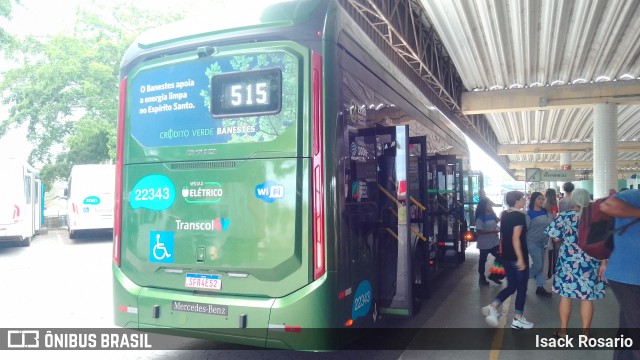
(269, 191)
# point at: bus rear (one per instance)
(16, 207)
(214, 232)
(90, 195)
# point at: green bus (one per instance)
(271, 179)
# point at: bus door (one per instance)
(473, 184)
(38, 199)
(361, 219)
(460, 226)
(28, 227)
(377, 250)
(418, 216)
(394, 241)
(445, 206)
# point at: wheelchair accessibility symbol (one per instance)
(161, 246)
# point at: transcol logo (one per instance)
(217, 224)
(269, 191)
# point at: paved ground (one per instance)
(62, 283)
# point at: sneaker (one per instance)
(521, 323)
(483, 281)
(490, 315)
(542, 292)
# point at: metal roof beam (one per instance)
(520, 175)
(558, 148)
(404, 27)
(624, 92)
(576, 165)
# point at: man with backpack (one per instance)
(623, 268)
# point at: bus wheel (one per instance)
(420, 271)
(462, 255)
(25, 241)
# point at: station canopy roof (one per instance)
(536, 69)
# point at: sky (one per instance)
(34, 17)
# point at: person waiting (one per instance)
(565, 203)
(488, 242)
(537, 241)
(577, 275)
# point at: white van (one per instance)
(90, 196)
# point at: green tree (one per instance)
(6, 40)
(65, 87)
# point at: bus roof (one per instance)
(238, 15)
(13, 163)
(92, 168)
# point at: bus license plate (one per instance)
(203, 281)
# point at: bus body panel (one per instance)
(90, 197)
(241, 223)
(254, 321)
(169, 101)
(216, 210)
(20, 202)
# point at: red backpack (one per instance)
(596, 229)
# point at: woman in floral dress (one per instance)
(577, 275)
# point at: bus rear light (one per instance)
(128, 309)
(317, 186)
(343, 294)
(348, 323)
(293, 329)
(469, 236)
(285, 328)
(117, 214)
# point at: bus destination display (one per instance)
(246, 93)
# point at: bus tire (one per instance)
(420, 271)
(26, 241)
(461, 257)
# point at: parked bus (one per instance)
(21, 202)
(267, 184)
(90, 195)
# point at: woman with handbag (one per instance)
(513, 229)
(577, 275)
(488, 243)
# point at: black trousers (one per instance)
(484, 253)
(628, 297)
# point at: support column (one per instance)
(605, 149)
(565, 164)
(565, 161)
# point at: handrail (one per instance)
(416, 203)
(418, 234)
(392, 234)
(391, 197)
